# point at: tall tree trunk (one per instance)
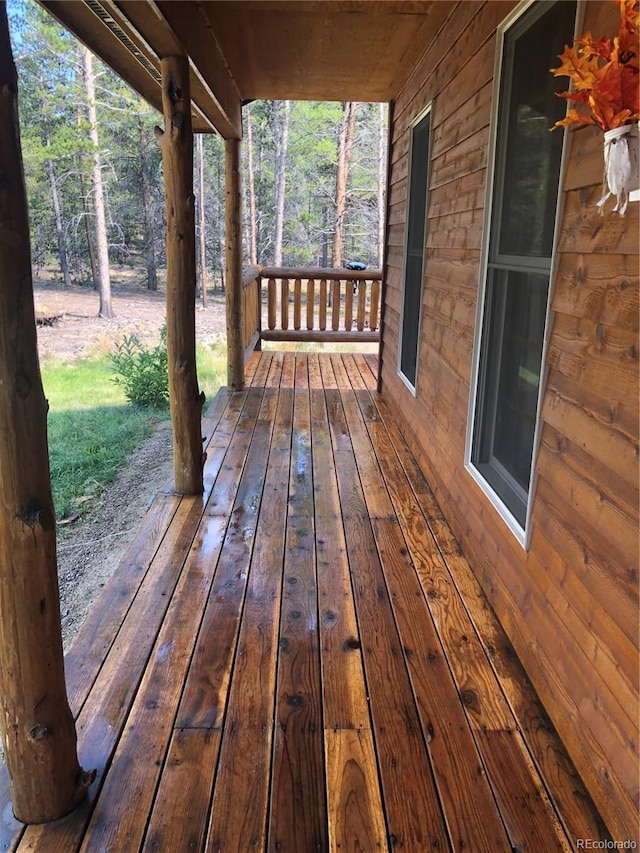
(98, 191)
(345, 146)
(37, 725)
(57, 212)
(87, 214)
(147, 206)
(382, 172)
(253, 240)
(282, 144)
(202, 221)
(185, 400)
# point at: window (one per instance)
(414, 257)
(514, 300)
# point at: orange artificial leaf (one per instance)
(629, 14)
(605, 74)
(594, 47)
(573, 117)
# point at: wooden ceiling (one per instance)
(239, 50)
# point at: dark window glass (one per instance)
(415, 248)
(531, 154)
(520, 247)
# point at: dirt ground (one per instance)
(90, 548)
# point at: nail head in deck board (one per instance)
(179, 818)
(356, 819)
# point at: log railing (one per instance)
(251, 310)
(324, 305)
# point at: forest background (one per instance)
(313, 173)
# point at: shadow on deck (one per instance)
(302, 659)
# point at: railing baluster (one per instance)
(271, 303)
(323, 305)
(335, 305)
(330, 313)
(375, 306)
(284, 303)
(348, 305)
(311, 302)
(297, 303)
(362, 304)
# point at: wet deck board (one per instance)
(301, 660)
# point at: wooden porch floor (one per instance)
(302, 660)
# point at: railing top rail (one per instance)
(328, 273)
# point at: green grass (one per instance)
(92, 429)
(212, 369)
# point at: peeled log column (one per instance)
(37, 726)
(235, 350)
(177, 158)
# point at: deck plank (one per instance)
(204, 696)
(459, 776)
(344, 690)
(240, 795)
(130, 785)
(355, 808)
(298, 810)
(302, 659)
(414, 815)
(105, 712)
(564, 786)
(180, 812)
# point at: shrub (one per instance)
(142, 372)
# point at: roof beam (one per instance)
(196, 38)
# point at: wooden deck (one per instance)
(302, 660)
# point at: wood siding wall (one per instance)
(569, 603)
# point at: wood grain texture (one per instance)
(354, 800)
(573, 594)
(309, 663)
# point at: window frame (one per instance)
(421, 116)
(493, 194)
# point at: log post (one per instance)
(235, 351)
(37, 725)
(185, 399)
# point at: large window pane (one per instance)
(513, 378)
(527, 177)
(412, 292)
(531, 155)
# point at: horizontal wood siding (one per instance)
(570, 603)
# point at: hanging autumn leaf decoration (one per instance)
(605, 74)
